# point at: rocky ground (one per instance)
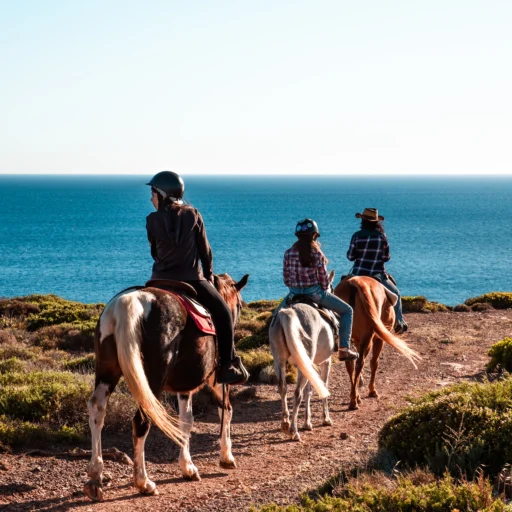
(271, 468)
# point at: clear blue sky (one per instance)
(256, 87)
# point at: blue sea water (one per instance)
(83, 237)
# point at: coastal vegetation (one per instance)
(454, 444)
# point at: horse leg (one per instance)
(307, 407)
(325, 369)
(188, 469)
(355, 399)
(283, 391)
(97, 406)
(297, 399)
(227, 461)
(140, 429)
(374, 365)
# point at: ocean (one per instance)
(83, 237)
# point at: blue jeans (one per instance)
(330, 301)
(387, 283)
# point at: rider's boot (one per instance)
(347, 354)
(401, 327)
(232, 372)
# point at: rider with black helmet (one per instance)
(305, 273)
(181, 252)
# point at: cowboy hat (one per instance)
(370, 214)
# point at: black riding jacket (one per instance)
(179, 244)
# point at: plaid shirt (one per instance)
(297, 276)
(369, 249)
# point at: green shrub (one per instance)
(498, 300)
(264, 305)
(481, 306)
(256, 360)
(402, 495)
(80, 364)
(66, 337)
(458, 428)
(11, 365)
(420, 304)
(501, 355)
(462, 308)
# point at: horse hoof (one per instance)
(353, 406)
(327, 422)
(93, 490)
(149, 489)
(193, 477)
(308, 426)
(296, 437)
(373, 394)
(285, 427)
(227, 464)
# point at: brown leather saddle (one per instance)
(178, 287)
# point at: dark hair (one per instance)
(374, 225)
(307, 244)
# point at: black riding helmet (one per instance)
(306, 226)
(169, 183)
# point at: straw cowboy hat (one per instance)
(370, 214)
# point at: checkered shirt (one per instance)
(369, 249)
(297, 276)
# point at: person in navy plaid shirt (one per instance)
(369, 250)
(305, 273)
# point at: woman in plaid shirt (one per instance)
(305, 273)
(369, 250)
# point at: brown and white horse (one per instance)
(148, 337)
(374, 317)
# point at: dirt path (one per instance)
(270, 467)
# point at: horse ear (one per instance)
(216, 281)
(241, 284)
(331, 276)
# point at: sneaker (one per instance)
(232, 372)
(347, 354)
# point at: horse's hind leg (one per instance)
(227, 461)
(374, 365)
(141, 481)
(188, 469)
(108, 374)
(297, 399)
(325, 369)
(355, 399)
(283, 391)
(307, 407)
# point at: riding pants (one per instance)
(211, 299)
(387, 283)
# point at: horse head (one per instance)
(230, 290)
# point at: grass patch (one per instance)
(256, 360)
(409, 493)
(420, 304)
(498, 300)
(459, 428)
(83, 364)
(501, 356)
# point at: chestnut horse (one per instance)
(374, 318)
(148, 337)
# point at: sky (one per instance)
(266, 87)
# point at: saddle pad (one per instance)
(197, 313)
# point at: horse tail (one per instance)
(128, 314)
(364, 291)
(293, 333)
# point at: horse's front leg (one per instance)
(355, 399)
(97, 406)
(140, 432)
(325, 369)
(308, 425)
(188, 469)
(374, 365)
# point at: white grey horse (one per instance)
(301, 335)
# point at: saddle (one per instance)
(327, 314)
(186, 295)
